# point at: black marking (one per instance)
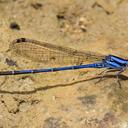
(21, 40)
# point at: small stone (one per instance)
(36, 5)
(15, 26)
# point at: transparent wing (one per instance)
(46, 52)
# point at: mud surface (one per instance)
(67, 99)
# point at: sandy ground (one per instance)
(68, 99)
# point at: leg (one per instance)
(104, 73)
(117, 76)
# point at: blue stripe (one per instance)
(113, 64)
(116, 59)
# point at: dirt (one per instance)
(67, 99)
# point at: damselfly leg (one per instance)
(103, 73)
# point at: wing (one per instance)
(46, 52)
